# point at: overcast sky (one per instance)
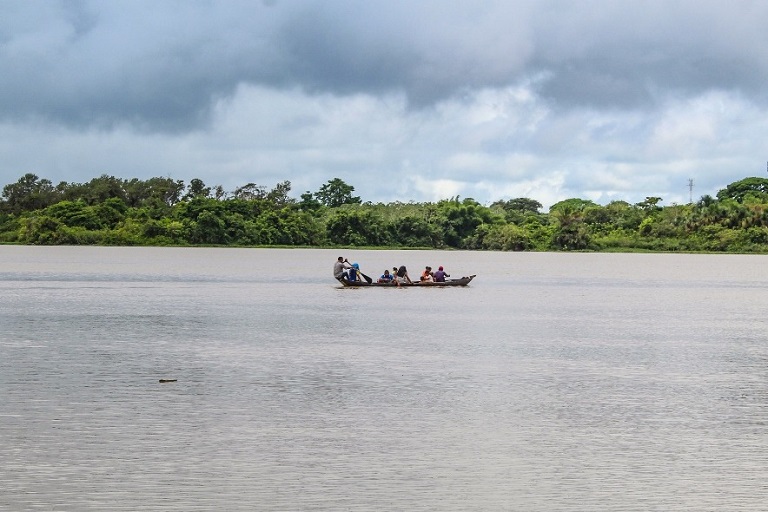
(404, 100)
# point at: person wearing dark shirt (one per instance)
(440, 275)
(402, 276)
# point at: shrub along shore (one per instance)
(162, 211)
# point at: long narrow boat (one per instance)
(461, 281)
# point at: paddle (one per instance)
(365, 277)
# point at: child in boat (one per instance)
(386, 277)
(354, 274)
(426, 276)
(440, 275)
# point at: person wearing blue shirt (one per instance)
(386, 277)
(354, 273)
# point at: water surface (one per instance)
(554, 382)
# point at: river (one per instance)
(554, 382)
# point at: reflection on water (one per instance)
(555, 382)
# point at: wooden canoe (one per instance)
(461, 281)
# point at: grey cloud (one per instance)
(160, 66)
(105, 64)
(429, 50)
(619, 80)
(631, 54)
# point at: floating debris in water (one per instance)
(163, 381)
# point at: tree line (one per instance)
(162, 211)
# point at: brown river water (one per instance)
(554, 382)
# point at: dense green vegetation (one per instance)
(161, 211)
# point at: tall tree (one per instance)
(571, 233)
(279, 194)
(738, 190)
(308, 202)
(336, 193)
(250, 191)
(519, 204)
(197, 189)
(165, 190)
(29, 193)
(572, 204)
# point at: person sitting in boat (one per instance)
(339, 267)
(354, 273)
(440, 275)
(386, 277)
(426, 276)
(401, 276)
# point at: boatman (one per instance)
(339, 268)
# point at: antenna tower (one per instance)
(690, 190)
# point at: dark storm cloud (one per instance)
(428, 50)
(631, 54)
(625, 79)
(162, 65)
(151, 65)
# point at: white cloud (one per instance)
(435, 190)
(418, 102)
